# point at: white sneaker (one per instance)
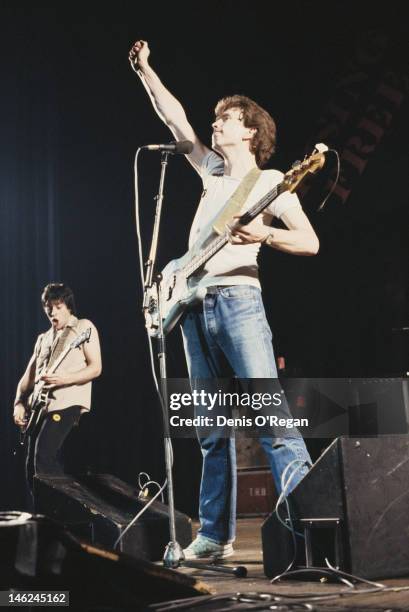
(202, 548)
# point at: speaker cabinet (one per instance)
(38, 554)
(99, 507)
(352, 508)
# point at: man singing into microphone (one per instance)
(229, 334)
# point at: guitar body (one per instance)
(38, 404)
(176, 294)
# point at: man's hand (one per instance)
(247, 234)
(19, 414)
(56, 380)
(139, 53)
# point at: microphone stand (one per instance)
(173, 556)
(174, 550)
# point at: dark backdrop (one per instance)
(72, 116)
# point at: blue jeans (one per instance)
(229, 335)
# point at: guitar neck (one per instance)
(197, 261)
(56, 363)
(59, 360)
(40, 383)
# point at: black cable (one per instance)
(321, 206)
(292, 601)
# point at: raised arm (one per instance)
(168, 108)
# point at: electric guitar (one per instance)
(175, 293)
(40, 398)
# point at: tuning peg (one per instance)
(296, 163)
(321, 147)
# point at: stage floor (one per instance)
(248, 552)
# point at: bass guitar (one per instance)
(175, 293)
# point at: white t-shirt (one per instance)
(234, 264)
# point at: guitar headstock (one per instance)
(84, 337)
(300, 169)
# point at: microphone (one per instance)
(184, 147)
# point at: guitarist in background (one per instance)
(228, 333)
(70, 384)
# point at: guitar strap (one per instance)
(232, 207)
(235, 203)
(58, 347)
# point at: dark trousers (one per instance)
(44, 451)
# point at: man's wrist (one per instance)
(19, 400)
(142, 69)
(268, 240)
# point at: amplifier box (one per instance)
(351, 508)
(256, 494)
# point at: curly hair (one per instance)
(59, 292)
(263, 143)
